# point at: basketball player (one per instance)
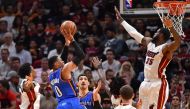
(127, 95)
(154, 89)
(61, 79)
(29, 89)
(88, 98)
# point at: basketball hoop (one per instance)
(174, 10)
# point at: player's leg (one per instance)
(143, 94)
(158, 94)
(154, 94)
(64, 105)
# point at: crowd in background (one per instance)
(29, 33)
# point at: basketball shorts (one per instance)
(154, 93)
(70, 103)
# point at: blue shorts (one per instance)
(70, 103)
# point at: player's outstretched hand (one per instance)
(96, 62)
(98, 86)
(118, 15)
(96, 95)
(168, 22)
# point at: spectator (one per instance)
(140, 26)
(24, 55)
(127, 72)
(27, 5)
(122, 34)
(40, 36)
(108, 20)
(106, 103)
(82, 29)
(3, 29)
(174, 90)
(44, 83)
(186, 99)
(23, 35)
(175, 103)
(90, 21)
(97, 31)
(92, 49)
(35, 53)
(111, 62)
(15, 63)
(48, 101)
(9, 16)
(132, 44)
(119, 46)
(9, 43)
(7, 97)
(79, 16)
(13, 81)
(136, 62)
(44, 78)
(17, 24)
(50, 27)
(70, 56)
(64, 14)
(183, 51)
(109, 73)
(79, 70)
(44, 68)
(4, 63)
(57, 51)
(115, 86)
(32, 31)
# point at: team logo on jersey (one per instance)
(151, 54)
(54, 81)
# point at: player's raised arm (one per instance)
(174, 45)
(96, 96)
(79, 54)
(64, 52)
(131, 30)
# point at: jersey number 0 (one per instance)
(58, 92)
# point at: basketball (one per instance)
(68, 26)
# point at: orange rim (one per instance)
(165, 4)
(175, 8)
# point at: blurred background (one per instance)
(29, 33)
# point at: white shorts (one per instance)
(154, 93)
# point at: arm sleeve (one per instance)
(132, 31)
(64, 53)
(79, 54)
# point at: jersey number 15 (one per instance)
(149, 61)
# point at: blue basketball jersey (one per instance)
(87, 100)
(63, 89)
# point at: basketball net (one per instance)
(174, 10)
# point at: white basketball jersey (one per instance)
(155, 62)
(125, 107)
(24, 97)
